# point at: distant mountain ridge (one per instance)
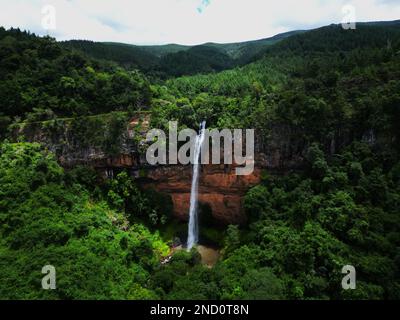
(177, 60)
(233, 49)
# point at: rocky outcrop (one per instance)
(219, 186)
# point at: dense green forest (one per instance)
(165, 61)
(338, 93)
(41, 80)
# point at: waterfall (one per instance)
(193, 230)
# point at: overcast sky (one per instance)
(184, 21)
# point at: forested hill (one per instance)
(334, 38)
(126, 55)
(177, 60)
(42, 80)
(327, 98)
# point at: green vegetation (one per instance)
(47, 218)
(174, 60)
(328, 98)
(41, 81)
(342, 211)
(127, 56)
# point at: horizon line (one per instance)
(198, 44)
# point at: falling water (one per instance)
(193, 232)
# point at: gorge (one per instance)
(77, 191)
(220, 188)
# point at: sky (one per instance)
(184, 21)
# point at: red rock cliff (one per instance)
(219, 187)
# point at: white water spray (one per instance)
(193, 231)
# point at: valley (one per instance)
(77, 192)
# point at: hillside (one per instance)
(42, 80)
(326, 100)
(326, 193)
(126, 55)
(176, 60)
(244, 52)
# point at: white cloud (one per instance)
(181, 21)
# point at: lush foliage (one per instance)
(42, 80)
(338, 100)
(173, 60)
(343, 211)
(49, 219)
(328, 98)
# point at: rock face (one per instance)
(219, 187)
(110, 144)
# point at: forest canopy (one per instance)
(334, 93)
